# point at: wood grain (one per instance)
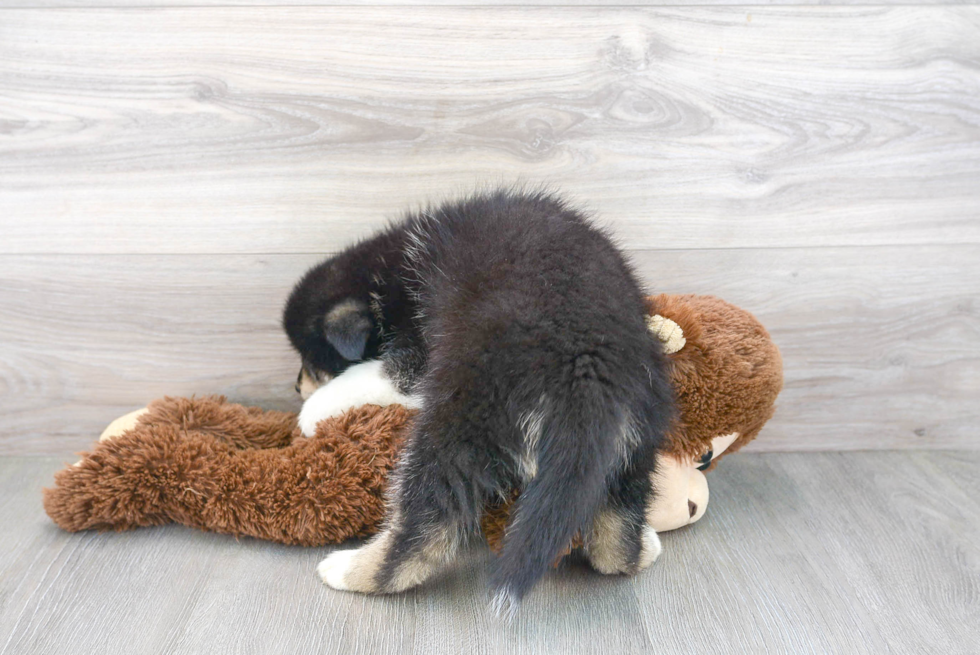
(169, 590)
(881, 346)
(830, 553)
(291, 130)
(820, 553)
(12, 4)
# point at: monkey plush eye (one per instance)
(717, 448)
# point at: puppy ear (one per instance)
(347, 327)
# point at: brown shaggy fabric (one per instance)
(215, 465)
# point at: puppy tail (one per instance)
(577, 450)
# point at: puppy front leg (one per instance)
(428, 520)
(617, 545)
(357, 569)
(361, 384)
(621, 541)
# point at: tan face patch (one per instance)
(307, 383)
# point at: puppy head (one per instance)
(329, 334)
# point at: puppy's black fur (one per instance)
(522, 329)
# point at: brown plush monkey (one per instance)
(218, 466)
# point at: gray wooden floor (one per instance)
(861, 552)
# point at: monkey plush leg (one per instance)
(122, 424)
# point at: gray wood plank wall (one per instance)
(167, 173)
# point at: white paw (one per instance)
(362, 384)
(651, 548)
(333, 570)
(314, 410)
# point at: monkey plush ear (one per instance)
(347, 327)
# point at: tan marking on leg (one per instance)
(363, 575)
(357, 570)
(440, 547)
(606, 549)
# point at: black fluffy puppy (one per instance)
(518, 330)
